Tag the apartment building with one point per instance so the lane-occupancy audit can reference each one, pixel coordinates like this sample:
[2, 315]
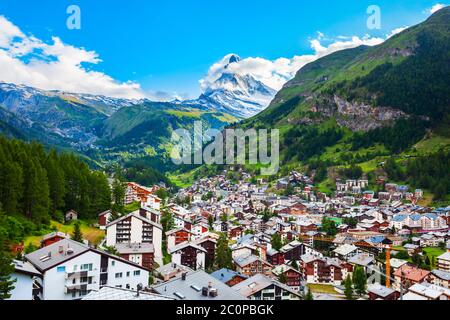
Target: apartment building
[71, 270]
[136, 227]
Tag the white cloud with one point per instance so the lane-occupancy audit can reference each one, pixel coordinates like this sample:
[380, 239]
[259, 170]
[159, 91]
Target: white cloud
[27, 60]
[275, 73]
[436, 8]
[396, 31]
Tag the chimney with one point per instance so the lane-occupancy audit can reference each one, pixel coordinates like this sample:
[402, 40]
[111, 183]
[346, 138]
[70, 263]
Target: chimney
[61, 249]
[183, 276]
[213, 293]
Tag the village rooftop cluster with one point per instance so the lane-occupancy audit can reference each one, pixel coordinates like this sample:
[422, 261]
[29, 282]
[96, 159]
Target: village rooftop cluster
[231, 239]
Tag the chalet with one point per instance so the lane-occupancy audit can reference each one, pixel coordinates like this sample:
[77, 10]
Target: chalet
[139, 253]
[346, 251]
[209, 244]
[189, 255]
[177, 236]
[379, 292]
[52, 238]
[408, 275]
[275, 257]
[443, 262]
[318, 270]
[137, 193]
[71, 215]
[243, 250]
[229, 277]
[427, 291]
[152, 201]
[440, 278]
[293, 277]
[236, 232]
[293, 251]
[261, 287]
[364, 260]
[103, 219]
[298, 209]
[252, 265]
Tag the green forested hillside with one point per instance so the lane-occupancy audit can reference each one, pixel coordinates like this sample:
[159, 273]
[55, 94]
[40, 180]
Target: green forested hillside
[40, 185]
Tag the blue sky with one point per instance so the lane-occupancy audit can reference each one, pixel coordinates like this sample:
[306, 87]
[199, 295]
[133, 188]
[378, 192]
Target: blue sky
[170, 45]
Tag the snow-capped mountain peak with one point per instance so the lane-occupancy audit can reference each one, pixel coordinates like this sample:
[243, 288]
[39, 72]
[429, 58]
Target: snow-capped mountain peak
[241, 95]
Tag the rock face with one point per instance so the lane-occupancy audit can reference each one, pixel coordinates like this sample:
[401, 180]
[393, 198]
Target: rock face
[358, 116]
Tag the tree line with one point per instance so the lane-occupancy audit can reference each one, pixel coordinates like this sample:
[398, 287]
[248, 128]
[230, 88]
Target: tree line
[40, 185]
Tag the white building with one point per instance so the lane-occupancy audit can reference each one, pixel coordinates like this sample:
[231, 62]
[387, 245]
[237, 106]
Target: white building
[71, 270]
[23, 275]
[136, 228]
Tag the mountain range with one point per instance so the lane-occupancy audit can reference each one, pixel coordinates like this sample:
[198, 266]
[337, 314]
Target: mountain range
[355, 106]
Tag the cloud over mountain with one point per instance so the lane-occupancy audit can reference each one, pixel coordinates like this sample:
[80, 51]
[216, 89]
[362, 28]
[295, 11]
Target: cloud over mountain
[275, 73]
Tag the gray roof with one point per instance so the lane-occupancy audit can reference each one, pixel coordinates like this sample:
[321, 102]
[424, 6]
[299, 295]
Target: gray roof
[117, 294]
[191, 288]
[380, 290]
[55, 234]
[185, 245]
[49, 257]
[444, 275]
[137, 216]
[135, 248]
[257, 283]
[445, 256]
[361, 259]
[25, 267]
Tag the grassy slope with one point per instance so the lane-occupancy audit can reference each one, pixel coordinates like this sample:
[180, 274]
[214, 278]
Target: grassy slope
[93, 235]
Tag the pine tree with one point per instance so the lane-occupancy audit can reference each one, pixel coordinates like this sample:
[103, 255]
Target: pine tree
[282, 278]
[77, 234]
[360, 280]
[223, 256]
[55, 176]
[277, 244]
[348, 288]
[309, 295]
[118, 196]
[6, 267]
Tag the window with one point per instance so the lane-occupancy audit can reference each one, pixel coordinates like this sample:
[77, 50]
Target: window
[119, 275]
[87, 267]
[61, 269]
[128, 273]
[113, 263]
[137, 273]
